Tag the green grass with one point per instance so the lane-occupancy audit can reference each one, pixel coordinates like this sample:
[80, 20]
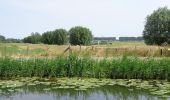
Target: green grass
[73, 66]
[14, 49]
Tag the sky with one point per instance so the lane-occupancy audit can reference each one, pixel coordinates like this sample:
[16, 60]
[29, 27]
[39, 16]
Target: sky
[105, 18]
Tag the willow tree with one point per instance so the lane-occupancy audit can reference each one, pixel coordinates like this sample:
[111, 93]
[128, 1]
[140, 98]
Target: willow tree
[157, 27]
[80, 36]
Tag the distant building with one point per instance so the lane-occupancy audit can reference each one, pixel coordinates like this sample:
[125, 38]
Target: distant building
[130, 38]
[109, 40]
[103, 40]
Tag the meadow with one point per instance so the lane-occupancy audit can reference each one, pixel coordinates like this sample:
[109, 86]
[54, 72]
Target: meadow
[21, 50]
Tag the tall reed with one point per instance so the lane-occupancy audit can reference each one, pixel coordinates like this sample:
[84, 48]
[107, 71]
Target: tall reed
[74, 66]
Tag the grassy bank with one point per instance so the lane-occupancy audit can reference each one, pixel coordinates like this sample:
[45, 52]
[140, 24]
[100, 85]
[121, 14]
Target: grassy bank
[73, 66]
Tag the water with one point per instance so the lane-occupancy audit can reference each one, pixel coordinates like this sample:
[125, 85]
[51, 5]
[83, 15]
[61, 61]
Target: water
[100, 93]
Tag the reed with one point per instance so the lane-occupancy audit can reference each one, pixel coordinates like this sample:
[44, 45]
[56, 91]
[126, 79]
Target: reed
[74, 66]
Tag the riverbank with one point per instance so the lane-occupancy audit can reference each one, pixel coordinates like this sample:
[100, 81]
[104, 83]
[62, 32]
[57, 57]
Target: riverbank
[74, 66]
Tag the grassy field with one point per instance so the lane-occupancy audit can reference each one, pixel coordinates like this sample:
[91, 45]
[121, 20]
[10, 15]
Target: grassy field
[21, 50]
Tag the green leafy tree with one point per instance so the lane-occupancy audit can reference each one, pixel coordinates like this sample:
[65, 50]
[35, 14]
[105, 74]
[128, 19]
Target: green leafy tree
[60, 36]
[2, 38]
[80, 36]
[47, 37]
[27, 39]
[35, 38]
[157, 27]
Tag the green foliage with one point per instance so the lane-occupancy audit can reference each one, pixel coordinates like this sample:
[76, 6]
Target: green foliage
[47, 37]
[35, 38]
[157, 27]
[60, 36]
[2, 38]
[74, 66]
[80, 36]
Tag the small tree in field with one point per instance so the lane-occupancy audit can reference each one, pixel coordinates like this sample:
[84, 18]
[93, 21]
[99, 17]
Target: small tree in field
[60, 36]
[80, 36]
[157, 27]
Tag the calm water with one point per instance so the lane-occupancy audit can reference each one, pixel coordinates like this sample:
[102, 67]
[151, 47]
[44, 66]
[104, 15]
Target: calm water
[101, 93]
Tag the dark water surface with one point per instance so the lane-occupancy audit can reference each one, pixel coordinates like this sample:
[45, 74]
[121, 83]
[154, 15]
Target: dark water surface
[100, 93]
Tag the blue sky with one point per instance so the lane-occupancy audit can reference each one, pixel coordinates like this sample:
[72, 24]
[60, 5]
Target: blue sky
[18, 18]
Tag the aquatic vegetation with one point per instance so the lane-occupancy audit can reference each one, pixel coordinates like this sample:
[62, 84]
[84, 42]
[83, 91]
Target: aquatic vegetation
[83, 73]
[154, 87]
[74, 66]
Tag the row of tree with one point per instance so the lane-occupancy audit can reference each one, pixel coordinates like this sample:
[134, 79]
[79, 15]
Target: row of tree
[76, 36]
[156, 32]
[9, 40]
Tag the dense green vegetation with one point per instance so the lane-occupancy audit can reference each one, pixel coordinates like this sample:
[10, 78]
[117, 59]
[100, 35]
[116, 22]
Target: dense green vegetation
[80, 36]
[157, 28]
[77, 36]
[2, 38]
[59, 36]
[35, 38]
[74, 66]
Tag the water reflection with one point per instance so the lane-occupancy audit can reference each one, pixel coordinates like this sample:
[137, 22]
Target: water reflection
[101, 93]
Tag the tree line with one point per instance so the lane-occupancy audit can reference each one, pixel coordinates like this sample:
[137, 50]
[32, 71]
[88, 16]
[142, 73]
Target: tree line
[75, 36]
[9, 40]
[156, 32]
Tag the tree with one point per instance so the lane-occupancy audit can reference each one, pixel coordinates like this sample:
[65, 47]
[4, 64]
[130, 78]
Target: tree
[157, 27]
[80, 36]
[2, 38]
[60, 36]
[47, 37]
[27, 39]
[35, 38]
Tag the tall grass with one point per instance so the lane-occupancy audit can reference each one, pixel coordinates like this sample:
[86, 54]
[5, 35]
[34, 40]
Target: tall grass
[74, 66]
